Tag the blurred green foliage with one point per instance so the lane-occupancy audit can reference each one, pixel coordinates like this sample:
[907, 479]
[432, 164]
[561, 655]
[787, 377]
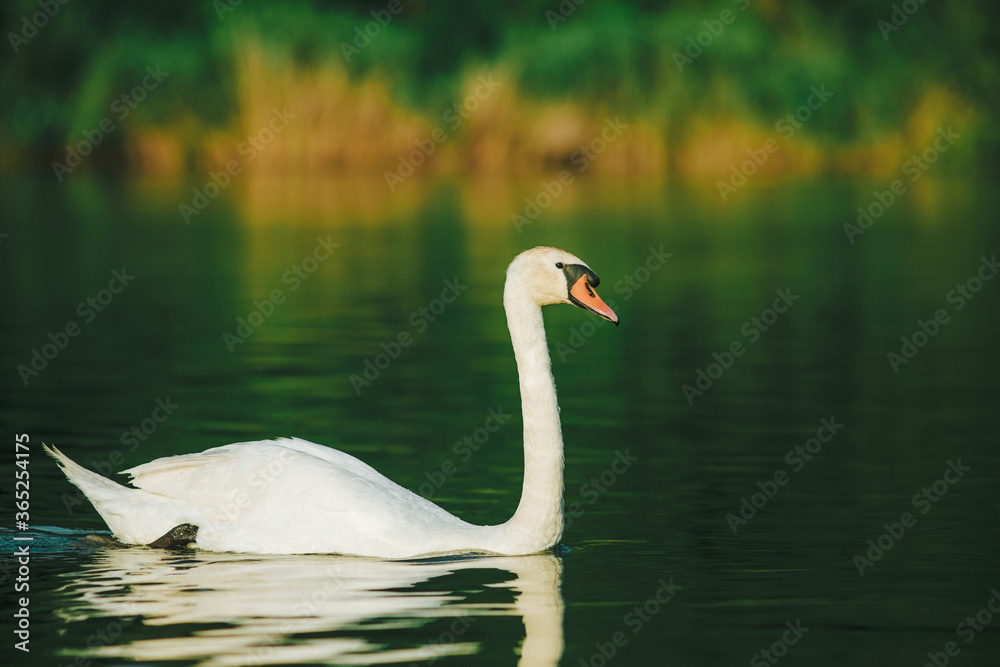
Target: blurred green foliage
[618, 56]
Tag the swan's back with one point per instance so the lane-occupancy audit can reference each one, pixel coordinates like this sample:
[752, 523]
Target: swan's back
[272, 496]
[259, 461]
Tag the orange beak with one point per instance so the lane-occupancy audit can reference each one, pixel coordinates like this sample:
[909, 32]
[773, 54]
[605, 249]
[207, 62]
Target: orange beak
[584, 295]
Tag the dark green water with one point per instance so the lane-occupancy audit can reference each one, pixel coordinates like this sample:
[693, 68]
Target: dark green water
[663, 525]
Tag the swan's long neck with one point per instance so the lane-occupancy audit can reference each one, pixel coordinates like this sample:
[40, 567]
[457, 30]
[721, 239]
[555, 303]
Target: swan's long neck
[538, 521]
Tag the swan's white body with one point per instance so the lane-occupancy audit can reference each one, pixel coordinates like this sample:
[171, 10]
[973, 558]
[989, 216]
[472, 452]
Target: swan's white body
[293, 496]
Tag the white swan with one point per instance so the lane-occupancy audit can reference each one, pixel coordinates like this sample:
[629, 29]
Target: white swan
[291, 496]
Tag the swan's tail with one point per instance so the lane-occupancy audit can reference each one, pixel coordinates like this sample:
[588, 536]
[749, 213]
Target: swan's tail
[94, 486]
[133, 515]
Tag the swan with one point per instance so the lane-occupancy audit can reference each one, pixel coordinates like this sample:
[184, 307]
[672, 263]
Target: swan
[290, 496]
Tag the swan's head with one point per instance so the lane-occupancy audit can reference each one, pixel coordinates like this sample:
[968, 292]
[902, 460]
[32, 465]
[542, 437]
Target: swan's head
[550, 276]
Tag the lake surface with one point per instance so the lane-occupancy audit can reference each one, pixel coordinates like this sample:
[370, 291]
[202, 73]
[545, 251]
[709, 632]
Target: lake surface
[758, 467]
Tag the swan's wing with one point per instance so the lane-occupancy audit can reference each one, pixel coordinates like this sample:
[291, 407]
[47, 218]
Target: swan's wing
[266, 458]
[338, 458]
[289, 496]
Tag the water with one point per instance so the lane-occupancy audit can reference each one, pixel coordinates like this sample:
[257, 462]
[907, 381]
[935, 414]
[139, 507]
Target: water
[656, 475]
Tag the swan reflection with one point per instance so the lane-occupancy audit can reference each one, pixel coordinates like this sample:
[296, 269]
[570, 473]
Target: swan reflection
[305, 609]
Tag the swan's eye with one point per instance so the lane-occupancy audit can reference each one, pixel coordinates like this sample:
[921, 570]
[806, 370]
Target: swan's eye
[560, 265]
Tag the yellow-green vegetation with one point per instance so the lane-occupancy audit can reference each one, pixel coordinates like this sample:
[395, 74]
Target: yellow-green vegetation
[402, 88]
